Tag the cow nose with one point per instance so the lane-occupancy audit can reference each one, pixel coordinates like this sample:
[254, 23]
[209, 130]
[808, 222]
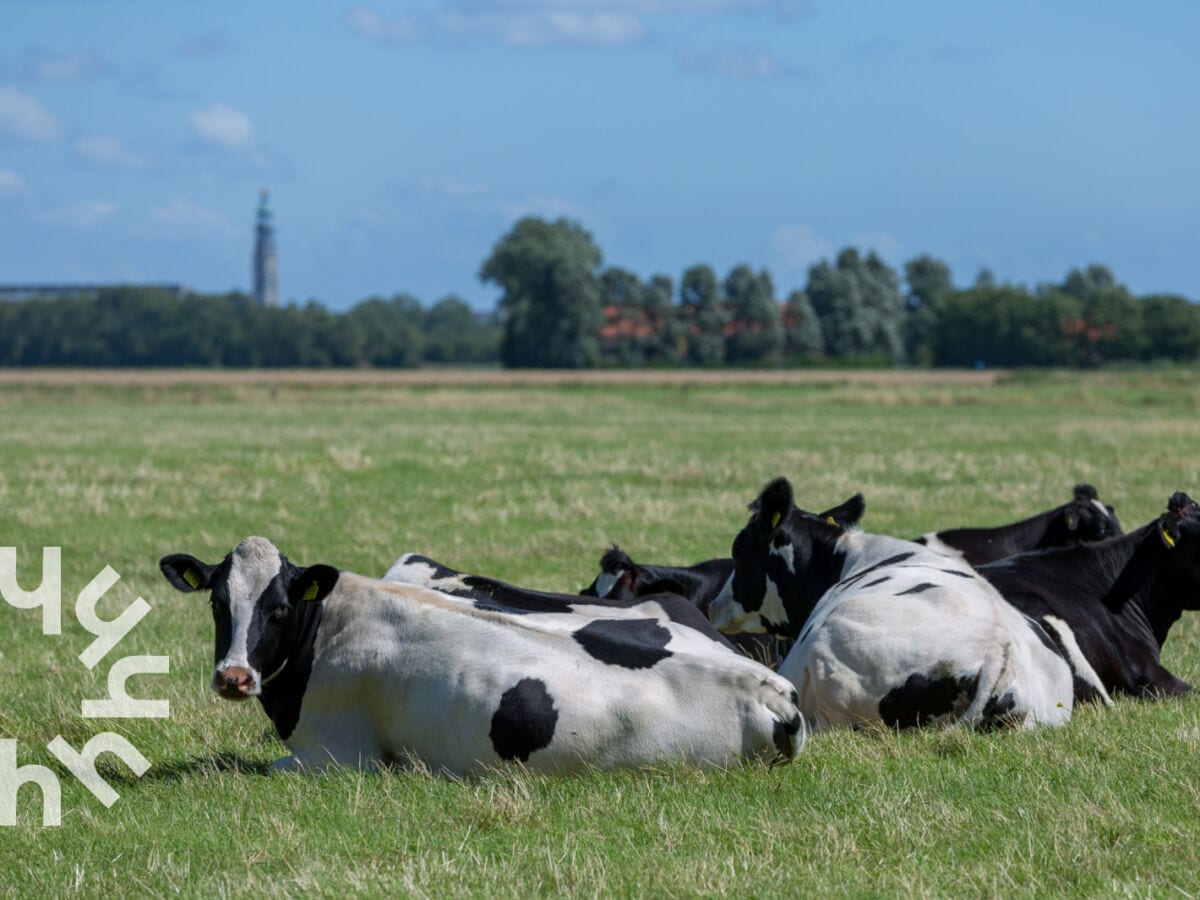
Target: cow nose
[235, 681]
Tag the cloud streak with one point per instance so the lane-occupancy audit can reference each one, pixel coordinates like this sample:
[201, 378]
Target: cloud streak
[21, 116]
[223, 126]
[744, 63]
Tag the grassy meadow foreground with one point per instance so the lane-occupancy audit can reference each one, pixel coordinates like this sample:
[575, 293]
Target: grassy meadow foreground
[530, 482]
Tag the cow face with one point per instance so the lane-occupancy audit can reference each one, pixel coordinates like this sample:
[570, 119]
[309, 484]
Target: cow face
[255, 593]
[784, 559]
[1086, 518]
[1179, 530]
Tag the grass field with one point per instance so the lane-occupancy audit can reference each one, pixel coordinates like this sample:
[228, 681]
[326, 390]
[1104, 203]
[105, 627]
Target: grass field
[529, 482]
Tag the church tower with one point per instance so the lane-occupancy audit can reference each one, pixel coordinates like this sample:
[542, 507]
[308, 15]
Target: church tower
[266, 275]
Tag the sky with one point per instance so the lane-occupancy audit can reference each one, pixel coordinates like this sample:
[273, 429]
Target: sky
[401, 140]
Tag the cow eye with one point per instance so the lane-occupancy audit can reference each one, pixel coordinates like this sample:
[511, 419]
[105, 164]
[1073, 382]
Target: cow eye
[278, 614]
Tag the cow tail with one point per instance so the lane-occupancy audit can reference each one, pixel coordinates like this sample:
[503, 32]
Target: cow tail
[994, 682]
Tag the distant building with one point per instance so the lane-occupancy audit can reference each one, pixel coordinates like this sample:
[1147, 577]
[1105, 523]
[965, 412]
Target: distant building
[62, 291]
[266, 266]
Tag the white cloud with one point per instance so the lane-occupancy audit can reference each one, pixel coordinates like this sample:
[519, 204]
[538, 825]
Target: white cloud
[12, 185]
[534, 25]
[747, 63]
[22, 116]
[108, 151]
[82, 215]
[799, 247]
[184, 215]
[223, 125]
[456, 187]
[372, 25]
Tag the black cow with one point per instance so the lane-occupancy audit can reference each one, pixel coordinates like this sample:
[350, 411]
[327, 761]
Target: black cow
[1085, 518]
[621, 578]
[1119, 598]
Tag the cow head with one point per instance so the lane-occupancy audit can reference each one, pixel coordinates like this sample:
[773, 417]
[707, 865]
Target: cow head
[784, 560]
[1179, 530]
[256, 595]
[1085, 518]
[618, 576]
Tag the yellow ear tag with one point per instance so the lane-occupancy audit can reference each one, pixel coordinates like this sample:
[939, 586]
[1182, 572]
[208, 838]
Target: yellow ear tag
[1167, 539]
[831, 520]
[313, 590]
[775, 520]
[190, 576]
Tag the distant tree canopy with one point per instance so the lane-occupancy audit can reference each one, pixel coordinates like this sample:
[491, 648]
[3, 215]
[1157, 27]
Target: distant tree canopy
[559, 308]
[551, 300]
[146, 327]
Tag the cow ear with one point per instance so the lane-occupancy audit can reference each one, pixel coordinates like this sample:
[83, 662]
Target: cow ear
[313, 584]
[1072, 520]
[186, 572]
[846, 514]
[775, 502]
[1168, 531]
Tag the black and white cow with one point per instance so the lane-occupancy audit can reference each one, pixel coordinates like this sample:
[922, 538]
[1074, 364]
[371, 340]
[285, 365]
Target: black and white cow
[1085, 518]
[412, 568]
[621, 578]
[1115, 600]
[887, 630]
[359, 671]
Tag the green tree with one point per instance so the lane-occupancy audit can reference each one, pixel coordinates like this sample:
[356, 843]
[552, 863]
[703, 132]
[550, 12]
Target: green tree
[667, 342]
[626, 327]
[928, 281]
[550, 301]
[455, 334]
[704, 316]
[803, 340]
[757, 332]
[388, 332]
[859, 305]
[1171, 326]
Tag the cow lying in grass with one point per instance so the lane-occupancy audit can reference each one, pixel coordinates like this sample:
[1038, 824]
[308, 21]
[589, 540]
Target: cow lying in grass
[1084, 519]
[357, 671]
[1114, 601]
[621, 578]
[887, 630]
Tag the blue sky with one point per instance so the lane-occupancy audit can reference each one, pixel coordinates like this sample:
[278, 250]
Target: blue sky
[401, 140]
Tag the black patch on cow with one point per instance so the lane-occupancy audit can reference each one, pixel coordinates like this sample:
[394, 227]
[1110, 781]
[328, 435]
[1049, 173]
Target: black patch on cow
[283, 696]
[997, 712]
[1054, 643]
[958, 573]
[918, 589]
[524, 721]
[784, 733]
[890, 561]
[877, 581]
[629, 643]
[922, 699]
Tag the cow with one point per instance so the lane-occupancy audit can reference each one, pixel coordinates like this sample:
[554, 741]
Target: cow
[1085, 518]
[1113, 602]
[362, 672]
[887, 630]
[621, 578]
[412, 568]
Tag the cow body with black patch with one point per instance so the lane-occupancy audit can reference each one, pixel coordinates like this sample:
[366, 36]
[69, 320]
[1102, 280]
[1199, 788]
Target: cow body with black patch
[1116, 600]
[1082, 520]
[887, 630]
[377, 672]
[489, 593]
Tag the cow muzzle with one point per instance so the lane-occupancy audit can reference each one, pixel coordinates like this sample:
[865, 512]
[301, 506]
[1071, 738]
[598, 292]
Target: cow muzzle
[235, 682]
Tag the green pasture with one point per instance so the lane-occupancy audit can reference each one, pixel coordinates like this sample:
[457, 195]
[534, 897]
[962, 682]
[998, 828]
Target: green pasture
[530, 484]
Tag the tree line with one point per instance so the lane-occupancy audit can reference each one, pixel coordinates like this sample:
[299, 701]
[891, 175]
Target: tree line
[561, 307]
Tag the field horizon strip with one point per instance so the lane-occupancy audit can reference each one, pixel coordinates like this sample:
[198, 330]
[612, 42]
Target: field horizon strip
[530, 482]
